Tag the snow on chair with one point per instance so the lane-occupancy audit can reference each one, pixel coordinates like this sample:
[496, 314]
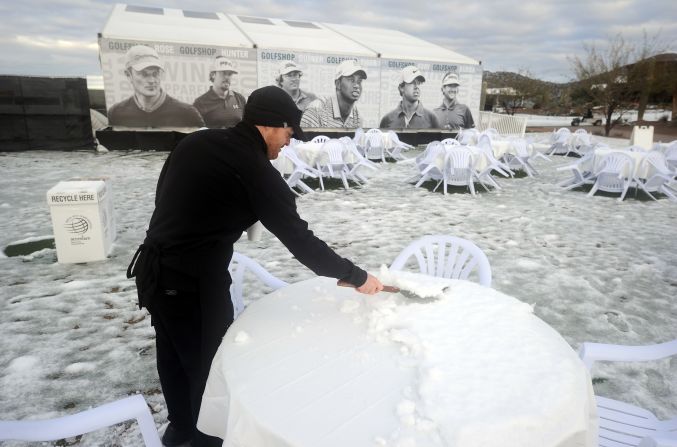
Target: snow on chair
[614, 175]
[113, 413]
[239, 265]
[622, 424]
[446, 257]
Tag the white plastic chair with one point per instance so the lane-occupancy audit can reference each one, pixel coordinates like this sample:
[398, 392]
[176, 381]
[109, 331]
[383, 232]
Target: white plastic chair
[581, 170]
[320, 139]
[132, 407]
[359, 159]
[459, 168]
[239, 265]
[374, 149]
[519, 160]
[622, 424]
[332, 164]
[429, 166]
[492, 165]
[398, 146]
[661, 178]
[560, 142]
[446, 257]
[468, 137]
[301, 170]
[610, 175]
[671, 155]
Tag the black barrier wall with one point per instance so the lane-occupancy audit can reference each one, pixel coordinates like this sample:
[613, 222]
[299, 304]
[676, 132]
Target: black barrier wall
[44, 113]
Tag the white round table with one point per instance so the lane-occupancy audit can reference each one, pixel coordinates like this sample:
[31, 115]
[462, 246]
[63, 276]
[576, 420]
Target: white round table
[313, 364]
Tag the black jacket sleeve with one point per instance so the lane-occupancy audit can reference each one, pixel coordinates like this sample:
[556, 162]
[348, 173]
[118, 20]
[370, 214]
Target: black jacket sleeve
[275, 205]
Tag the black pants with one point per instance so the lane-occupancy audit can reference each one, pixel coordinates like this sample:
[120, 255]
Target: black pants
[190, 316]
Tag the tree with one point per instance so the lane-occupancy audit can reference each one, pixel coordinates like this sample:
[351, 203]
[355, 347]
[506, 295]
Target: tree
[615, 77]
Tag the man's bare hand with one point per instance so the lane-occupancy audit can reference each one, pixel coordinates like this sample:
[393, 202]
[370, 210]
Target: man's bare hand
[371, 286]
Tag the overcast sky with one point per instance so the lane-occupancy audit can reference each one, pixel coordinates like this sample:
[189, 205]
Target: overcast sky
[59, 37]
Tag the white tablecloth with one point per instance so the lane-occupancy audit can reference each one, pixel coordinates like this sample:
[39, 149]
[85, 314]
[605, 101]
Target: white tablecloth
[642, 170]
[316, 365]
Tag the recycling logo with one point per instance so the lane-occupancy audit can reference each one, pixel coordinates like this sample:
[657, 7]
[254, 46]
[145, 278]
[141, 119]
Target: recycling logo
[77, 225]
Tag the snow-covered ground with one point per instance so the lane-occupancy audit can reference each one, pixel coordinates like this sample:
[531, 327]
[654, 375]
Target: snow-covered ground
[73, 337]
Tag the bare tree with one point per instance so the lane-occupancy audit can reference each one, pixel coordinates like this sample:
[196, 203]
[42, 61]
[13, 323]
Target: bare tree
[615, 76]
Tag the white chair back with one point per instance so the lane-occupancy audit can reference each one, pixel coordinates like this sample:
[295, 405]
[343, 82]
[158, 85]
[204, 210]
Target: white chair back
[447, 257]
[320, 139]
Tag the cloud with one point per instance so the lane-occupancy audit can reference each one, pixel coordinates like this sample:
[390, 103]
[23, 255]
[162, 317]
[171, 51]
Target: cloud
[504, 34]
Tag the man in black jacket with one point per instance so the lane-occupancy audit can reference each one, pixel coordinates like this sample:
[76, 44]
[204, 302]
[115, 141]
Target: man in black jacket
[215, 184]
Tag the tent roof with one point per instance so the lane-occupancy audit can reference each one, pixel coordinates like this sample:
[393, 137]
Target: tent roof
[393, 44]
[214, 28]
[173, 25]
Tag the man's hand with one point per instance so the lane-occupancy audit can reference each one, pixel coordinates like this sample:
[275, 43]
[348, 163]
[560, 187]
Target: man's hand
[371, 286]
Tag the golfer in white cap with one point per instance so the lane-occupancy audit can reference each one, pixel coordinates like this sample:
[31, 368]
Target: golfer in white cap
[410, 113]
[451, 114]
[339, 110]
[150, 105]
[289, 79]
[220, 106]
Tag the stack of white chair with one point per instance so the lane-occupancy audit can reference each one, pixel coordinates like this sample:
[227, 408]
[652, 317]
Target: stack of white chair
[459, 168]
[611, 176]
[113, 413]
[622, 424]
[560, 142]
[446, 257]
[239, 265]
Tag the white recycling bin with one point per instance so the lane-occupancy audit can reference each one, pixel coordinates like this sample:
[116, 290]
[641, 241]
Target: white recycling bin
[82, 220]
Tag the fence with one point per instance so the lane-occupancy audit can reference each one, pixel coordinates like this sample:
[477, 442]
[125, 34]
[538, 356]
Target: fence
[505, 124]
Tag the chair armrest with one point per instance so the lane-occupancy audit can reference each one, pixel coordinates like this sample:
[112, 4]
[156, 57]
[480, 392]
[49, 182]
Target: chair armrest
[592, 352]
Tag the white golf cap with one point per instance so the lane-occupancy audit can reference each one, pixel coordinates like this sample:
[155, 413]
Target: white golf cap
[221, 63]
[450, 79]
[139, 57]
[287, 67]
[348, 68]
[410, 73]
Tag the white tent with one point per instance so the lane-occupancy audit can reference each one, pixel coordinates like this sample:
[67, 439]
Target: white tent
[188, 41]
